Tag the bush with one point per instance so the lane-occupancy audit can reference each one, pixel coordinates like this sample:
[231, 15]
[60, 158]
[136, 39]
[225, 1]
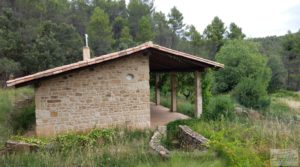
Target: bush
[252, 93]
[220, 107]
[22, 119]
[241, 59]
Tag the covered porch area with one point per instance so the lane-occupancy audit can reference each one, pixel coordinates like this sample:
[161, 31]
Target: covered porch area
[170, 62]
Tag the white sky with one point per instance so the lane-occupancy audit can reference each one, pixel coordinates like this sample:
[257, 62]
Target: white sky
[258, 18]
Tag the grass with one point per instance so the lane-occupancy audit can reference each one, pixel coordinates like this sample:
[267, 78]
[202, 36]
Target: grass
[244, 142]
[12, 119]
[111, 147]
[239, 142]
[247, 141]
[285, 105]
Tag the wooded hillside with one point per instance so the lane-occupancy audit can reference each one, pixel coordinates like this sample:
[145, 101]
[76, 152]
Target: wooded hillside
[39, 34]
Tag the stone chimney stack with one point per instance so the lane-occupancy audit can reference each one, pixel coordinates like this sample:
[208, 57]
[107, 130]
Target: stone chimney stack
[86, 49]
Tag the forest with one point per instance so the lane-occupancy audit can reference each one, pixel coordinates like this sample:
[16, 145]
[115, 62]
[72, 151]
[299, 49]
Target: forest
[40, 34]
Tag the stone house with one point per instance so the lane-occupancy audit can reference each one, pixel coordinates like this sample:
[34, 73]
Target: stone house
[108, 90]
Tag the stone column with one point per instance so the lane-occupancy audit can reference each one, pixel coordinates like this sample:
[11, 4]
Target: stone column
[173, 92]
[198, 95]
[157, 93]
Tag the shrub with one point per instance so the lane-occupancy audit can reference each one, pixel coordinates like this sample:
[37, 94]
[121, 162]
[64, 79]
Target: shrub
[22, 119]
[220, 107]
[206, 88]
[241, 59]
[252, 93]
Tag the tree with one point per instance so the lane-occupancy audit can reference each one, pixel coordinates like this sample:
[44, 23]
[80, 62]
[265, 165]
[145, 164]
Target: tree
[235, 32]
[214, 33]
[7, 67]
[195, 40]
[79, 15]
[162, 31]
[125, 41]
[55, 45]
[11, 43]
[118, 24]
[136, 10]
[242, 59]
[279, 73]
[176, 25]
[176, 21]
[145, 32]
[112, 8]
[100, 33]
[291, 46]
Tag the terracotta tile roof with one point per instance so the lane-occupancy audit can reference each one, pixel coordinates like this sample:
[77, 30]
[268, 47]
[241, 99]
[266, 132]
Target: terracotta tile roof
[107, 57]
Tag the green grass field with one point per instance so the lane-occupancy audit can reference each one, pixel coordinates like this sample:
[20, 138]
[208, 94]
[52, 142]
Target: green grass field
[243, 141]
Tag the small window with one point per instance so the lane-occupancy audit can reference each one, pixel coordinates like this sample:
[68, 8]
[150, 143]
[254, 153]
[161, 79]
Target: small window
[129, 77]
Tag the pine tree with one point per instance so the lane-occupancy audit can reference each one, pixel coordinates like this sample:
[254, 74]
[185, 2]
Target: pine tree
[100, 32]
[176, 24]
[214, 33]
[125, 41]
[145, 32]
[235, 32]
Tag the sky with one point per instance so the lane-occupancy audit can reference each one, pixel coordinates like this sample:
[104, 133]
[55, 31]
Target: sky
[257, 18]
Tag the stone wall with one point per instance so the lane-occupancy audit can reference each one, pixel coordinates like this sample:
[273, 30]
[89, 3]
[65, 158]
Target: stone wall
[114, 93]
[190, 139]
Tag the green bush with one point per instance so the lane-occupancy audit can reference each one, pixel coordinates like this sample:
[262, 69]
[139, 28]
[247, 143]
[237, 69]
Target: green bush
[206, 86]
[252, 93]
[241, 59]
[219, 107]
[22, 119]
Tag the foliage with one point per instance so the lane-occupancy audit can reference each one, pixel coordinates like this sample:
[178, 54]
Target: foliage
[235, 32]
[125, 41]
[291, 47]
[219, 107]
[136, 10]
[162, 32]
[12, 119]
[206, 85]
[100, 32]
[145, 32]
[279, 74]
[214, 33]
[176, 25]
[242, 59]
[251, 93]
[22, 119]
[7, 67]
[243, 141]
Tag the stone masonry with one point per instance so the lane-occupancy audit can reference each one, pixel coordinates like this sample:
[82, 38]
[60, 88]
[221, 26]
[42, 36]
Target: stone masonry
[114, 93]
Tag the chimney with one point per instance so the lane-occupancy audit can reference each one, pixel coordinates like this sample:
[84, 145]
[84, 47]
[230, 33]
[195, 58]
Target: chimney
[86, 50]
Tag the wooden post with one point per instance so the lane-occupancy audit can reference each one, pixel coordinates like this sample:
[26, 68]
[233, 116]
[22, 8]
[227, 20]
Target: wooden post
[157, 93]
[198, 94]
[173, 92]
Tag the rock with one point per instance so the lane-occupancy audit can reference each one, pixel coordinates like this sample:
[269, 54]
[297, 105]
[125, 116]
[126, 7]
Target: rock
[155, 143]
[191, 140]
[14, 146]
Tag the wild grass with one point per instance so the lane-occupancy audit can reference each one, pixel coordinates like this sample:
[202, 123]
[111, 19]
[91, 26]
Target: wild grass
[11, 118]
[243, 141]
[108, 147]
